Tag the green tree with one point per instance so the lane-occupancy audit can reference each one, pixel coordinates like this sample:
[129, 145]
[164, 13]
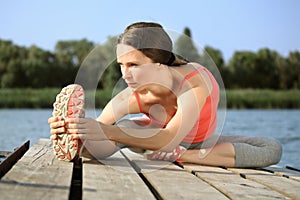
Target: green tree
[283, 77]
[266, 69]
[35, 67]
[112, 73]
[8, 52]
[72, 52]
[217, 56]
[185, 47]
[11, 68]
[242, 66]
[213, 60]
[12, 77]
[293, 62]
[69, 55]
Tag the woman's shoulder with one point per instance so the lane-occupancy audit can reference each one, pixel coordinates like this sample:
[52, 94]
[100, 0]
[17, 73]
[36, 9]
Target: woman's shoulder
[188, 68]
[192, 77]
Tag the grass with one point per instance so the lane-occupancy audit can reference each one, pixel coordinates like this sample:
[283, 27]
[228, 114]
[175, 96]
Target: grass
[27, 98]
[236, 99]
[266, 99]
[44, 98]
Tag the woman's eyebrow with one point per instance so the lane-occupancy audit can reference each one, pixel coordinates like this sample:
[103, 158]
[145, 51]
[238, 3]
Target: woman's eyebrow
[128, 63]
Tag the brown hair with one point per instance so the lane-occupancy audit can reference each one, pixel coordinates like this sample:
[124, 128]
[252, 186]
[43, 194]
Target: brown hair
[153, 41]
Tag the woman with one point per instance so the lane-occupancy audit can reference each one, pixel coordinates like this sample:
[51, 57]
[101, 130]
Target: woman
[179, 100]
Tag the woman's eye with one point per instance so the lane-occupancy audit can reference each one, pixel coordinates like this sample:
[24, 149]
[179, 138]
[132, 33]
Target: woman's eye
[128, 65]
[133, 65]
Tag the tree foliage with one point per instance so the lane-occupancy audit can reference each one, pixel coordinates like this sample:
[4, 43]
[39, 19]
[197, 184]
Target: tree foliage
[33, 67]
[185, 48]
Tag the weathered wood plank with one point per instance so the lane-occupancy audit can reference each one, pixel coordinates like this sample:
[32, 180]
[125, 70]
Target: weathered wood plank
[231, 184]
[173, 182]
[283, 185]
[38, 175]
[292, 168]
[285, 172]
[3, 155]
[112, 178]
[12, 158]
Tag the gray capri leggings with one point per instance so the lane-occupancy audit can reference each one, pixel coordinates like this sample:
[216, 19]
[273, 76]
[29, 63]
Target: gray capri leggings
[250, 152]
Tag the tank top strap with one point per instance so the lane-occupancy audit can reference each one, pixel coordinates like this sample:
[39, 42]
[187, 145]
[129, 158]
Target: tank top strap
[138, 101]
[188, 76]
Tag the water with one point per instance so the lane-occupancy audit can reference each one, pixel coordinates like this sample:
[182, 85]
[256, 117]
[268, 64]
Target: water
[19, 125]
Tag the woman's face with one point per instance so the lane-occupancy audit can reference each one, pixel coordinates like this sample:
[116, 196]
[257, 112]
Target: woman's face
[138, 70]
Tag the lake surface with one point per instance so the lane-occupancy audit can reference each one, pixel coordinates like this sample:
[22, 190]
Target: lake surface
[19, 125]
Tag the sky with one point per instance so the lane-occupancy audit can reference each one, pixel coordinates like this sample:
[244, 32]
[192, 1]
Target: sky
[227, 25]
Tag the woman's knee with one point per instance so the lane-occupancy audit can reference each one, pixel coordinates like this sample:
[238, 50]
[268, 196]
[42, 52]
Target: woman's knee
[258, 152]
[276, 149]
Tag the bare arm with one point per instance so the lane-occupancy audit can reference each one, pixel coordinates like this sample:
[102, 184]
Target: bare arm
[166, 139]
[122, 104]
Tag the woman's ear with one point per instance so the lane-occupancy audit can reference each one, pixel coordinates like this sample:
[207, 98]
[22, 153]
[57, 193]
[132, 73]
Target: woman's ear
[160, 66]
[157, 66]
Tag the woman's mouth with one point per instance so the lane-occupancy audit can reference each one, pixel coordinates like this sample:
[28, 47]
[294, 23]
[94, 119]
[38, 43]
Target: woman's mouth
[131, 84]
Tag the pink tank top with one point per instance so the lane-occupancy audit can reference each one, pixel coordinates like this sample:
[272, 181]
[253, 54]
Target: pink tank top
[207, 121]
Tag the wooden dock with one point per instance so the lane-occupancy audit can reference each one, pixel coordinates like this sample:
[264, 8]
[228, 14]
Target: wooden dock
[125, 175]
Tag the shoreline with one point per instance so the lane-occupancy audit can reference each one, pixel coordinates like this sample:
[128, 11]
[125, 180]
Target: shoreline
[236, 98]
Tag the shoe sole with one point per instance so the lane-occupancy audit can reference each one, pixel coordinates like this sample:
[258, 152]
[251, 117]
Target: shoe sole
[69, 104]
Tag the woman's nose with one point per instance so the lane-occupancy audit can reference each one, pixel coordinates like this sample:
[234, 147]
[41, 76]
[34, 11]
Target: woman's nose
[126, 73]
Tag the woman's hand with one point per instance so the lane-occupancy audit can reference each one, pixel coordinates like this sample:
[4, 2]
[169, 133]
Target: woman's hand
[85, 128]
[57, 126]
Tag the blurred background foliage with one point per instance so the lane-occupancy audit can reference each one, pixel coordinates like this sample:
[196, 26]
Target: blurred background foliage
[33, 67]
[24, 70]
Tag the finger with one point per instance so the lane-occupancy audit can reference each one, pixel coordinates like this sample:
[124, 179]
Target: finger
[76, 120]
[76, 131]
[57, 124]
[58, 130]
[54, 119]
[72, 131]
[74, 126]
[53, 137]
[82, 137]
[78, 136]
[89, 137]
